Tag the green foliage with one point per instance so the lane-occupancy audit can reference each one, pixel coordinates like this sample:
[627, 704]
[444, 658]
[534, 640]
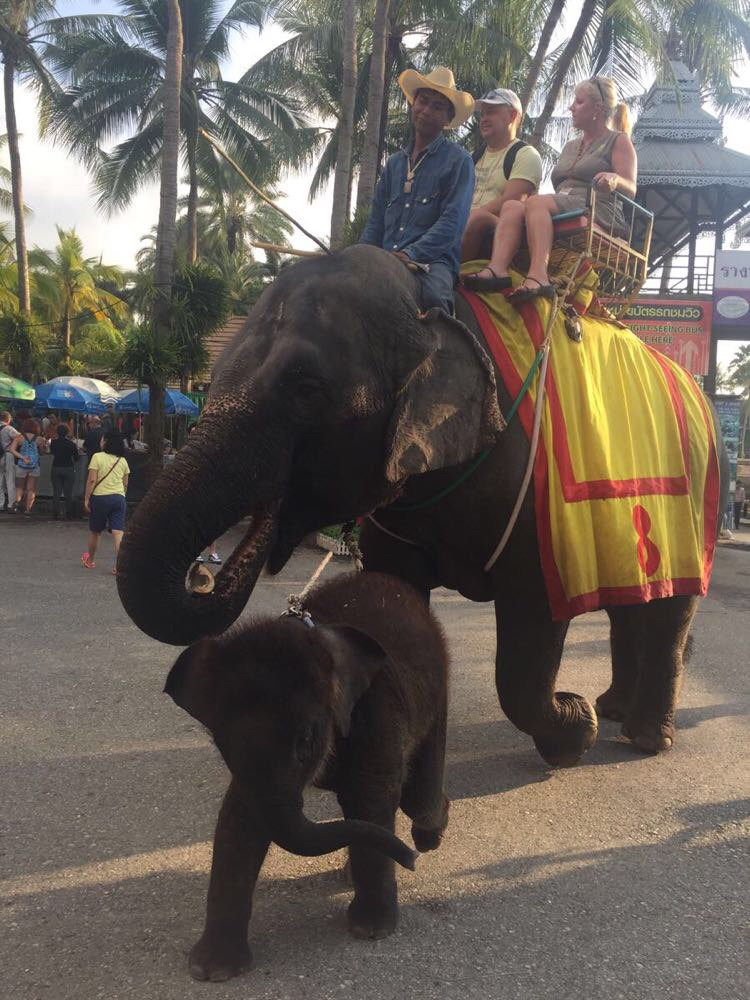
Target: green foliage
[199, 305]
[115, 68]
[72, 292]
[148, 357]
[22, 347]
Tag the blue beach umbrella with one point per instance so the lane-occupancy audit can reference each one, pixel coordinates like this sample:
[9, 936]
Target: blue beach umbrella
[175, 403]
[56, 396]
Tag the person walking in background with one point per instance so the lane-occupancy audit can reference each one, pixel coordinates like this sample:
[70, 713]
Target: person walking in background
[106, 486]
[92, 439]
[25, 449]
[739, 502]
[8, 434]
[64, 458]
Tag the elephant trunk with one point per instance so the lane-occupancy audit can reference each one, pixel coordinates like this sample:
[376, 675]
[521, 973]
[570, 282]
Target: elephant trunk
[209, 487]
[294, 832]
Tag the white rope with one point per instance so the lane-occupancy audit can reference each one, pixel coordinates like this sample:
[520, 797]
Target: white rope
[534, 444]
[295, 600]
[529, 465]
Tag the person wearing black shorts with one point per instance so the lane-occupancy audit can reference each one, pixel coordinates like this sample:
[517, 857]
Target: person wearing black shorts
[106, 486]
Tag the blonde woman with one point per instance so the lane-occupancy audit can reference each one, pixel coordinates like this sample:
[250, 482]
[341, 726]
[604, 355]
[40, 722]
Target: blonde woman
[602, 157]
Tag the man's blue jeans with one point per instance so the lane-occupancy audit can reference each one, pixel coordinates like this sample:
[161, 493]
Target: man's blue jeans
[436, 288]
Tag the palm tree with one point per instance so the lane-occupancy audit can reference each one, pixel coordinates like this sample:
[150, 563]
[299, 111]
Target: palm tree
[739, 378]
[6, 187]
[71, 292]
[165, 233]
[19, 20]
[375, 95]
[117, 66]
[342, 178]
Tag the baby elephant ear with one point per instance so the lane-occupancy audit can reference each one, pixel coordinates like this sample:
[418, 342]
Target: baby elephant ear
[357, 658]
[192, 682]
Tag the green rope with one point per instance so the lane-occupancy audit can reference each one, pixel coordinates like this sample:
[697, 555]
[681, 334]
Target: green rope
[480, 458]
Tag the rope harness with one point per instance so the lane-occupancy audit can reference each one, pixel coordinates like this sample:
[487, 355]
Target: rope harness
[295, 602]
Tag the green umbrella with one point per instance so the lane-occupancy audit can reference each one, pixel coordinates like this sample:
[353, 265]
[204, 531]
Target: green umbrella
[14, 388]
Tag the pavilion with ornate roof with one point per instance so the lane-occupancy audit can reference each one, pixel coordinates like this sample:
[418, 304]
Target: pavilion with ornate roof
[692, 183]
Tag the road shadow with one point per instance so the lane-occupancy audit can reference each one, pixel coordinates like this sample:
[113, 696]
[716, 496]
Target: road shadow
[643, 920]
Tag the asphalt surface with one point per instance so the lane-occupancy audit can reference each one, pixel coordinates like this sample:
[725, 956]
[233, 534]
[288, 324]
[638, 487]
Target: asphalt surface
[625, 878]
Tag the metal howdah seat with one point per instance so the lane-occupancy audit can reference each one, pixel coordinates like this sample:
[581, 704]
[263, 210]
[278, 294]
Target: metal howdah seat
[617, 252]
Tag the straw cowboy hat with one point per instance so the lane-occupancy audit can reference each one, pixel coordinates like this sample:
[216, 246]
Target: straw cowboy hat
[441, 80]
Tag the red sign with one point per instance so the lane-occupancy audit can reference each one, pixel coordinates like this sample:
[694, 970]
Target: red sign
[679, 328]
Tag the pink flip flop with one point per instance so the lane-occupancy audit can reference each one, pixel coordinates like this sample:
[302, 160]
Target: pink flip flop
[86, 561]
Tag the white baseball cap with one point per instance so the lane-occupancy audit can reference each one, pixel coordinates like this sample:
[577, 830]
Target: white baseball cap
[501, 96]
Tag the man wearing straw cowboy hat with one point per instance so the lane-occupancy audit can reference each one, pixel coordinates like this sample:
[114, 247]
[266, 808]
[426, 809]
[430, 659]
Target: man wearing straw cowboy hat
[422, 200]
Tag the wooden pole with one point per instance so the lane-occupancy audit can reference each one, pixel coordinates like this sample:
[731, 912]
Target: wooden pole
[264, 197]
[280, 248]
[713, 350]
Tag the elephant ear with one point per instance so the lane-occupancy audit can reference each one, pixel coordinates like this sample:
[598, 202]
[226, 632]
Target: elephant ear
[447, 411]
[356, 659]
[193, 681]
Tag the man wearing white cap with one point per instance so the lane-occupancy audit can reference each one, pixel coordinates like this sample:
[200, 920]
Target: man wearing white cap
[423, 197]
[508, 169]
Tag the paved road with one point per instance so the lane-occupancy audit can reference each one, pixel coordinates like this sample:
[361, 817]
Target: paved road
[623, 878]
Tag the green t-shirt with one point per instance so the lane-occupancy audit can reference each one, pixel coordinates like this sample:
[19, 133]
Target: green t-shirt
[101, 463]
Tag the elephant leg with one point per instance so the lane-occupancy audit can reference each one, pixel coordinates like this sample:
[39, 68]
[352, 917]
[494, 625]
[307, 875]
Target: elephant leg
[664, 631]
[422, 797]
[625, 642]
[563, 725]
[373, 913]
[222, 951]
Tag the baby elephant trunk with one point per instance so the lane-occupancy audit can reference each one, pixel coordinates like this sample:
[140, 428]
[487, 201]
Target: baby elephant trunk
[293, 831]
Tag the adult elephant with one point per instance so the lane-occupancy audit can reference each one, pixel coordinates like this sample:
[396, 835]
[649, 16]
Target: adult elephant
[335, 400]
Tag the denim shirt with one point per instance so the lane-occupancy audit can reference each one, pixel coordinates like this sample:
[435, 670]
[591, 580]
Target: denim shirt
[426, 223]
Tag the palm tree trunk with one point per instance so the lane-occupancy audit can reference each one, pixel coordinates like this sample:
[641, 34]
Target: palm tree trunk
[67, 342]
[745, 425]
[553, 18]
[563, 65]
[166, 233]
[192, 205]
[22, 258]
[339, 212]
[369, 165]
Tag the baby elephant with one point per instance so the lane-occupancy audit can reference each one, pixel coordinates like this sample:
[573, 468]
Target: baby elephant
[355, 704]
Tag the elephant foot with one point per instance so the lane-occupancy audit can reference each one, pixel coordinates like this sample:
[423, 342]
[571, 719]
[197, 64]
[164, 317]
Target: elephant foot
[649, 736]
[612, 705]
[575, 731]
[372, 919]
[429, 838]
[216, 961]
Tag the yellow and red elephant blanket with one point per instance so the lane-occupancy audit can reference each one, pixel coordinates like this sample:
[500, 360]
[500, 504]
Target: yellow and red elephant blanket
[626, 476]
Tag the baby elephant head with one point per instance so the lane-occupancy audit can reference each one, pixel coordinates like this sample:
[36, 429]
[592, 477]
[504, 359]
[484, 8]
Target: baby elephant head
[275, 698]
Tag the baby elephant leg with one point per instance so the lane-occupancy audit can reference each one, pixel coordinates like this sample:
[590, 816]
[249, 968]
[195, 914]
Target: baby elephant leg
[223, 952]
[422, 798]
[373, 913]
